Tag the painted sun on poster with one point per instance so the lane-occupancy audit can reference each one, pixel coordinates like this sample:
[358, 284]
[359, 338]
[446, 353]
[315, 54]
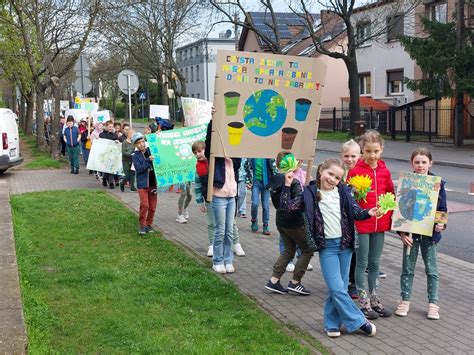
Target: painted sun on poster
[267, 101]
[417, 197]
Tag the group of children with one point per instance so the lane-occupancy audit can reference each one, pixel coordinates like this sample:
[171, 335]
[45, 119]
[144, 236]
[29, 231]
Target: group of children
[321, 217]
[343, 230]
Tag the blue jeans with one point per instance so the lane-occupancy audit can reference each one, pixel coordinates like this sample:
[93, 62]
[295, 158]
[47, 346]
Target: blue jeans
[85, 152]
[242, 200]
[224, 211]
[338, 308]
[260, 192]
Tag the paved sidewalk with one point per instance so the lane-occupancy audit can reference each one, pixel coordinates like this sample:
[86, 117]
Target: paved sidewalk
[442, 154]
[411, 335]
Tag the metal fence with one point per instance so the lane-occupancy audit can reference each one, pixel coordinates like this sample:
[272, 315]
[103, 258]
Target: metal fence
[415, 123]
[423, 124]
[334, 120]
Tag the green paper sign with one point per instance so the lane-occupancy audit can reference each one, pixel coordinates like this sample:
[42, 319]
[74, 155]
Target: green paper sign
[174, 161]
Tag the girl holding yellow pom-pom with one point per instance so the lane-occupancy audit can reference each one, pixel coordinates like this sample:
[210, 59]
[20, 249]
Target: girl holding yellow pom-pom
[370, 179]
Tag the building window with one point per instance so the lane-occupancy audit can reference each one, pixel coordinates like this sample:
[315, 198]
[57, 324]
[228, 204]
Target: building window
[192, 74]
[363, 33]
[439, 12]
[192, 95]
[197, 72]
[197, 51]
[364, 84]
[395, 27]
[186, 74]
[395, 82]
[198, 95]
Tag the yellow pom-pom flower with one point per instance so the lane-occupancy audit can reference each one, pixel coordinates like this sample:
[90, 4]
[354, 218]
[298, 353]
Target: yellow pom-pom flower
[361, 185]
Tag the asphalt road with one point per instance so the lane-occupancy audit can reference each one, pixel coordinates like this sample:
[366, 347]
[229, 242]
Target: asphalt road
[458, 239]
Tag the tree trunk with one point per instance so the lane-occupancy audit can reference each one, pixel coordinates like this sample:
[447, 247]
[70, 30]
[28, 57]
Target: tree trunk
[22, 113]
[30, 107]
[40, 141]
[353, 81]
[54, 136]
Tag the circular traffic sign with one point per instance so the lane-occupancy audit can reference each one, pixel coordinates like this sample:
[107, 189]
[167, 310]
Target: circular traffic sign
[83, 85]
[124, 81]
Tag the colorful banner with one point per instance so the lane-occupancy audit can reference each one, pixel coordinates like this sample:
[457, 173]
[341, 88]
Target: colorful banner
[162, 111]
[106, 156]
[417, 198]
[174, 161]
[267, 101]
[196, 111]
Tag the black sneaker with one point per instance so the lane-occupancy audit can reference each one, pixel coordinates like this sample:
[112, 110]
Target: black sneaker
[149, 229]
[382, 312]
[369, 329]
[76, 171]
[142, 230]
[369, 314]
[133, 188]
[275, 287]
[298, 288]
[104, 183]
[111, 186]
[122, 187]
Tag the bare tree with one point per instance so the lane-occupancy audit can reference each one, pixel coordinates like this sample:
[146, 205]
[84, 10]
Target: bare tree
[54, 34]
[377, 18]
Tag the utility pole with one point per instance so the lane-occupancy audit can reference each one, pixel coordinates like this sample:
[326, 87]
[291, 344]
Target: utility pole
[236, 29]
[459, 113]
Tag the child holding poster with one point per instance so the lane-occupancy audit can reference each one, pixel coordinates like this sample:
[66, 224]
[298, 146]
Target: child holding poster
[330, 212]
[370, 178]
[421, 161]
[223, 206]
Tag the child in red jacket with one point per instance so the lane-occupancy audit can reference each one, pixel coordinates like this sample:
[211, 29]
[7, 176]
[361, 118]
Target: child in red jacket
[371, 231]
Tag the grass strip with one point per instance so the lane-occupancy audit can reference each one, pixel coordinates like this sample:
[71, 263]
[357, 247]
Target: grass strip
[39, 159]
[90, 284]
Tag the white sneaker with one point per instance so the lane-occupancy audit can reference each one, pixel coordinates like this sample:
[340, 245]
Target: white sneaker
[290, 267]
[181, 219]
[229, 268]
[310, 267]
[186, 213]
[210, 251]
[238, 250]
[220, 269]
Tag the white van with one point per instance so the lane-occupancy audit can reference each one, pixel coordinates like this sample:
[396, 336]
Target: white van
[9, 140]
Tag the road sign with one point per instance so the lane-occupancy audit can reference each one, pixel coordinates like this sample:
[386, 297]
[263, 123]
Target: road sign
[82, 65]
[83, 85]
[142, 96]
[126, 80]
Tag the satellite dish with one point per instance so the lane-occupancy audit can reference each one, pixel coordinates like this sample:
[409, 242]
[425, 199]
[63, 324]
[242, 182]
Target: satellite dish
[228, 33]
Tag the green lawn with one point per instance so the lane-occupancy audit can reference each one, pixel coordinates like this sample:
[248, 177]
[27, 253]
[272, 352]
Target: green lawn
[90, 284]
[39, 159]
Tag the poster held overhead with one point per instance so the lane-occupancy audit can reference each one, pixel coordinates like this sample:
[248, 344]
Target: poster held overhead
[196, 111]
[265, 103]
[162, 111]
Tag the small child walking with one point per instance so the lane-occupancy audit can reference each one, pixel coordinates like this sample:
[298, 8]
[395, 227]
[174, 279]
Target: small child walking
[72, 138]
[371, 231]
[330, 212]
[287, 197]
[422, 161]
[261, 172]
[127, 151]
[146, 183]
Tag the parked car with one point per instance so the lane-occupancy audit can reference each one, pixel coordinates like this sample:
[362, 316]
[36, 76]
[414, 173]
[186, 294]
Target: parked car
[9, 141]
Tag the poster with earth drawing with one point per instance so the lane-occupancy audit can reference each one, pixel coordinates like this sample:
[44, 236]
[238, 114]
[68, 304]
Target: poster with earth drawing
[106, 157]
[417, 199]
[266, 103]
[174, 161]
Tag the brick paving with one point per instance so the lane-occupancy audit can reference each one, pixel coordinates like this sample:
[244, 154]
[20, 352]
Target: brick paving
[414, 334]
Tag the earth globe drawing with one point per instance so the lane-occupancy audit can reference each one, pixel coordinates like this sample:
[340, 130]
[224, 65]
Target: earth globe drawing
[415, 205]
[265, 112]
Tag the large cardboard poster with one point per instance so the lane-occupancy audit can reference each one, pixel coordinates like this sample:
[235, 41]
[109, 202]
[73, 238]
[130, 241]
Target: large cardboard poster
[417, 199]
[106, 156]
[265, 103]
[174, 161]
